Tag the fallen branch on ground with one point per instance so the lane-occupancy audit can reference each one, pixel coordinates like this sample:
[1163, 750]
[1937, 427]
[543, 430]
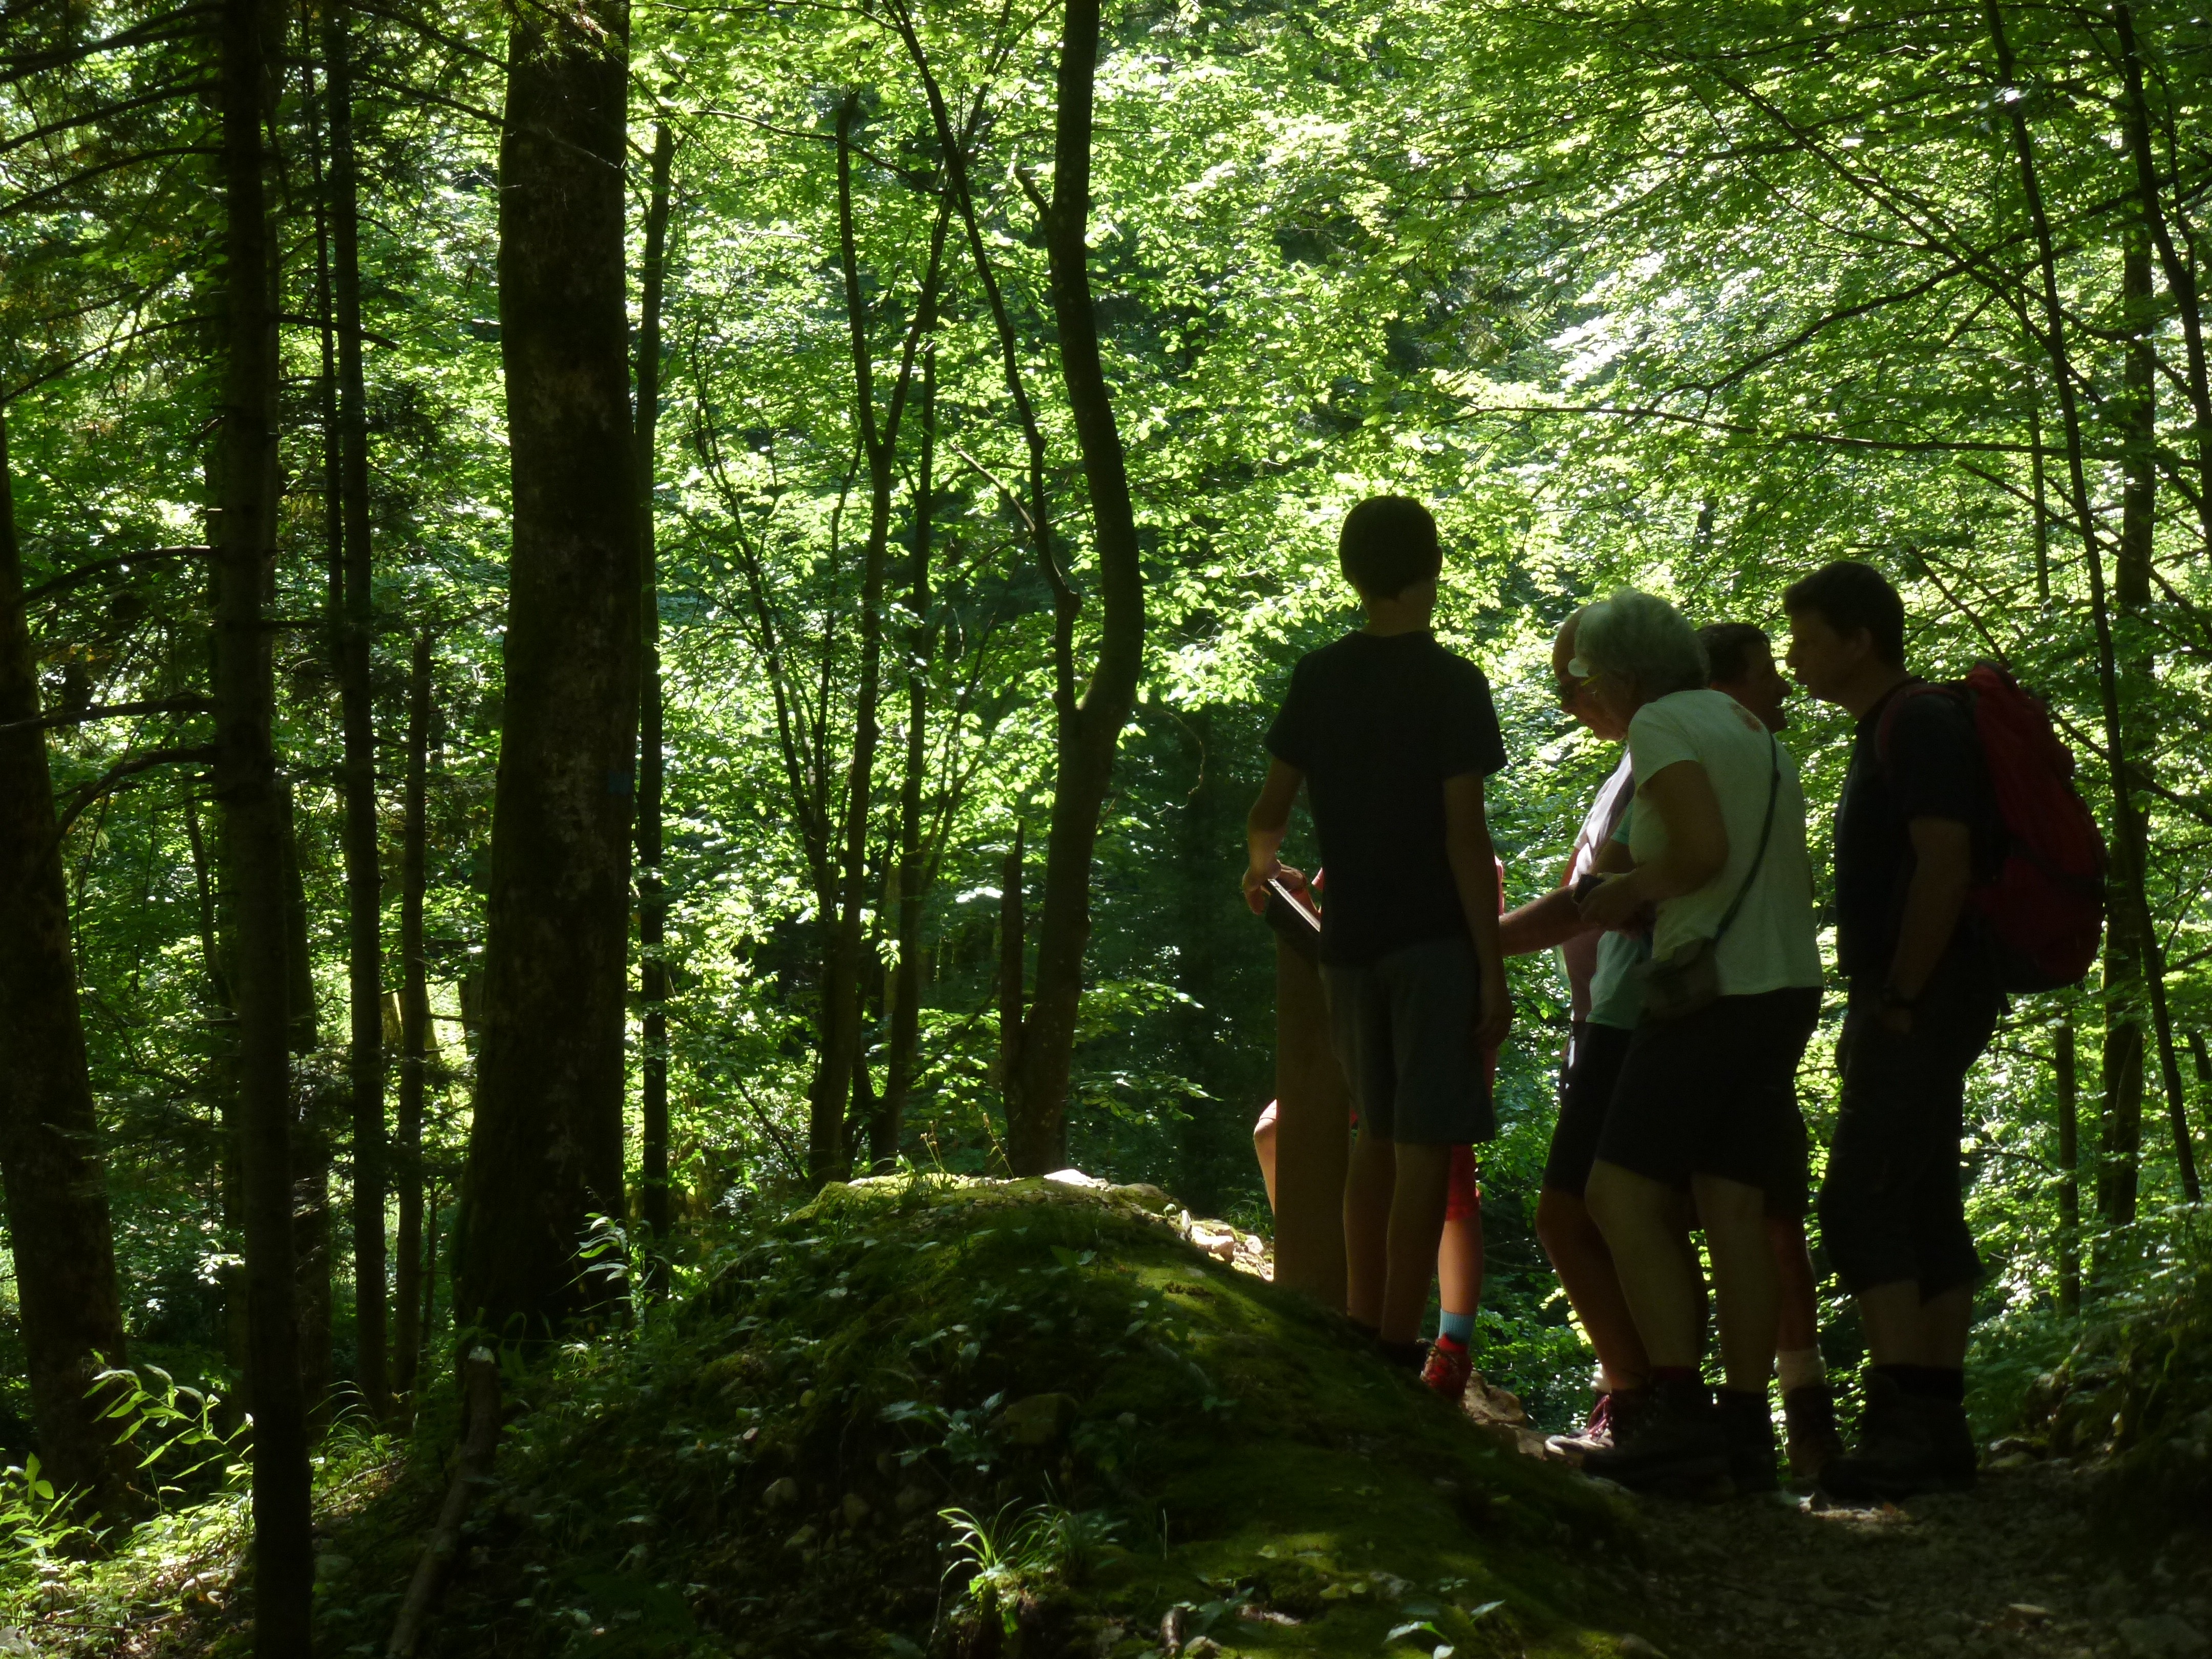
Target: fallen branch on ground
[479, 1441]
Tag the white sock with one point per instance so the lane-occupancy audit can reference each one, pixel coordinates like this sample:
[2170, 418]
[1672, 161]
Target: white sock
[1800, 1368]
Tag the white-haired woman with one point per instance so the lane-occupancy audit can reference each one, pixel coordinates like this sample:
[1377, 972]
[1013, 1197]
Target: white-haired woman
[1707, 1095]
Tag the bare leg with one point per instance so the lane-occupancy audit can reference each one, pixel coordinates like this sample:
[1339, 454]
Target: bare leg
[1263, 1148]
[1637, 1217]
[1797, 1320]
[1945, 1322]
[1416, 1227]
[1586, 1273]
[1734, 1215]
[1459, 1265]
[1892, 1315]
[1367, 1226]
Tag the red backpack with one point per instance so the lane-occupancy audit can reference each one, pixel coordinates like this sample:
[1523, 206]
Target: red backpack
[2042, 900]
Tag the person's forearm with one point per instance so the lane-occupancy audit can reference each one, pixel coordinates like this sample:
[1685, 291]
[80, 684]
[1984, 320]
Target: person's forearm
[1670, 876]
[1541, 923]
[1474, 873]
[1263, 841]
[1934, 900]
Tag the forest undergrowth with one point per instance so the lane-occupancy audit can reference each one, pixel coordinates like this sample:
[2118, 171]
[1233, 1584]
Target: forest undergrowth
[973, 1418]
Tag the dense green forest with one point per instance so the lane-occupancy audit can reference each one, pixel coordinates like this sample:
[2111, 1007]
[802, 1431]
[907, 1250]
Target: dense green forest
[609, 614]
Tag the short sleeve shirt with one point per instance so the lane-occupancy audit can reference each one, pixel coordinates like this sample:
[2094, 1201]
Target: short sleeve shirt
[1616, 995]
[1579, 955]
[1772, 943]
[1377, 723]
[1934, 770]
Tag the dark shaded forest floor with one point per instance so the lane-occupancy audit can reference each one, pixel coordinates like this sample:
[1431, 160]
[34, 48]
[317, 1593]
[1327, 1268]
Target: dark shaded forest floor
[2028, 1563]
[1168, 1455]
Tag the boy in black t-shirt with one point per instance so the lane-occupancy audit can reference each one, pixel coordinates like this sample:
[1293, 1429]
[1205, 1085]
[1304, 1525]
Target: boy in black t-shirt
[1923, 1003]
[1391, 736]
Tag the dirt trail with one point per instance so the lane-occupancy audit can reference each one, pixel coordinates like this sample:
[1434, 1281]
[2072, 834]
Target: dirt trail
[2023, 1566]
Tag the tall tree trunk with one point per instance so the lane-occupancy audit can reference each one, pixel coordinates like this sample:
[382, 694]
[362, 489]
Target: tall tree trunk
[1208, 1144]
[1088, 731]
[546, 1150]
[357, 767]
[2128, 929]
[2064, 1066]
[652, 890]
[2181, 273]
[312, 1140]
[903, 992]
[828, 1158]
[223, 1075]
[2132, 588]
[1014, 939]
[50, 1155]
[252, 844]
[414, 1030]
[2037, 488]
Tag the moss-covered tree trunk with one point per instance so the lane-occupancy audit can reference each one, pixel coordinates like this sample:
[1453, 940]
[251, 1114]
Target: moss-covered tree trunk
[1089, 730]
[252, 845]
[50, 1153]
[546, 1150]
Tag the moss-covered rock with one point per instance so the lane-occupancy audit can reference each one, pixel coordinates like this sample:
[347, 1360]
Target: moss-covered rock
[1013, 1418]
[2136, 1392]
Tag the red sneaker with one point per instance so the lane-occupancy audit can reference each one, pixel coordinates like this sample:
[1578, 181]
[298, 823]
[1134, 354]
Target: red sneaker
[1449, 1368]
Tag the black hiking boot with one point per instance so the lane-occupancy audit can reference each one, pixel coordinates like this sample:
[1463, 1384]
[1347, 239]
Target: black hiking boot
[1747, 1427]
[1808, 1416]
[1899, 1454]
[1673, 1440]
[1951, 1440]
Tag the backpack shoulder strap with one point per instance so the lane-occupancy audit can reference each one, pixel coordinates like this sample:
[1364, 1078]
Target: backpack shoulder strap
[1904, 695]
[1765, 835]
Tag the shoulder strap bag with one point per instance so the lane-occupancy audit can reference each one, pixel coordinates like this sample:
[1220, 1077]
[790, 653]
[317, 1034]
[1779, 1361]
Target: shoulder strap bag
[1690, 978]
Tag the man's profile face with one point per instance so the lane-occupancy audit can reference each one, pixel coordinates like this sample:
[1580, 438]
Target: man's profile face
[1824, 660]
[1762, 690]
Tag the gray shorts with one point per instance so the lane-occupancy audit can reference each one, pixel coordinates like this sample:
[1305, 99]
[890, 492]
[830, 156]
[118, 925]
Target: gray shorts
[1403, 1030]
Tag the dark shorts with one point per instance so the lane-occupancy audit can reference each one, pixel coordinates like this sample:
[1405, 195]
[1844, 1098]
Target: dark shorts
[1789, 1182]
[1595, 1053]
[1714, 1093]
[1403, 1030]
[1894, 1207]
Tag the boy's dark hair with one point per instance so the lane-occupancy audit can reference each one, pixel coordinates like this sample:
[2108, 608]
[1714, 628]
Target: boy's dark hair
[1849, 596]
[1732, 647]
[1387, 544]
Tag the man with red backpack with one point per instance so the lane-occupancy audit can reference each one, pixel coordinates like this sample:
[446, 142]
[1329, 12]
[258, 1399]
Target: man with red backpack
[1924, 998]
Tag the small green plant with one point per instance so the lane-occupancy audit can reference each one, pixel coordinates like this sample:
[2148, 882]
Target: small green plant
[1011, 1554]
[182, 1453]
[37, 1522]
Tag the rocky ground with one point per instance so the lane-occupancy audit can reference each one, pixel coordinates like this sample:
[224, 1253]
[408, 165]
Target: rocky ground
[2027, 1565]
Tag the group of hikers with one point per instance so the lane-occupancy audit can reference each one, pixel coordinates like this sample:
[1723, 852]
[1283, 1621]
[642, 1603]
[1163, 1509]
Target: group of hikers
[1686, 918]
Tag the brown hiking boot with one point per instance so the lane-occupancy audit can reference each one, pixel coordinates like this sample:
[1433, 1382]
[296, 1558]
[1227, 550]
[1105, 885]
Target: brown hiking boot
[1748, 1428]
[1674, 1441]
[1907, 1445]
[1596, 1434]
[1951, 1439]
[1808, 1416]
